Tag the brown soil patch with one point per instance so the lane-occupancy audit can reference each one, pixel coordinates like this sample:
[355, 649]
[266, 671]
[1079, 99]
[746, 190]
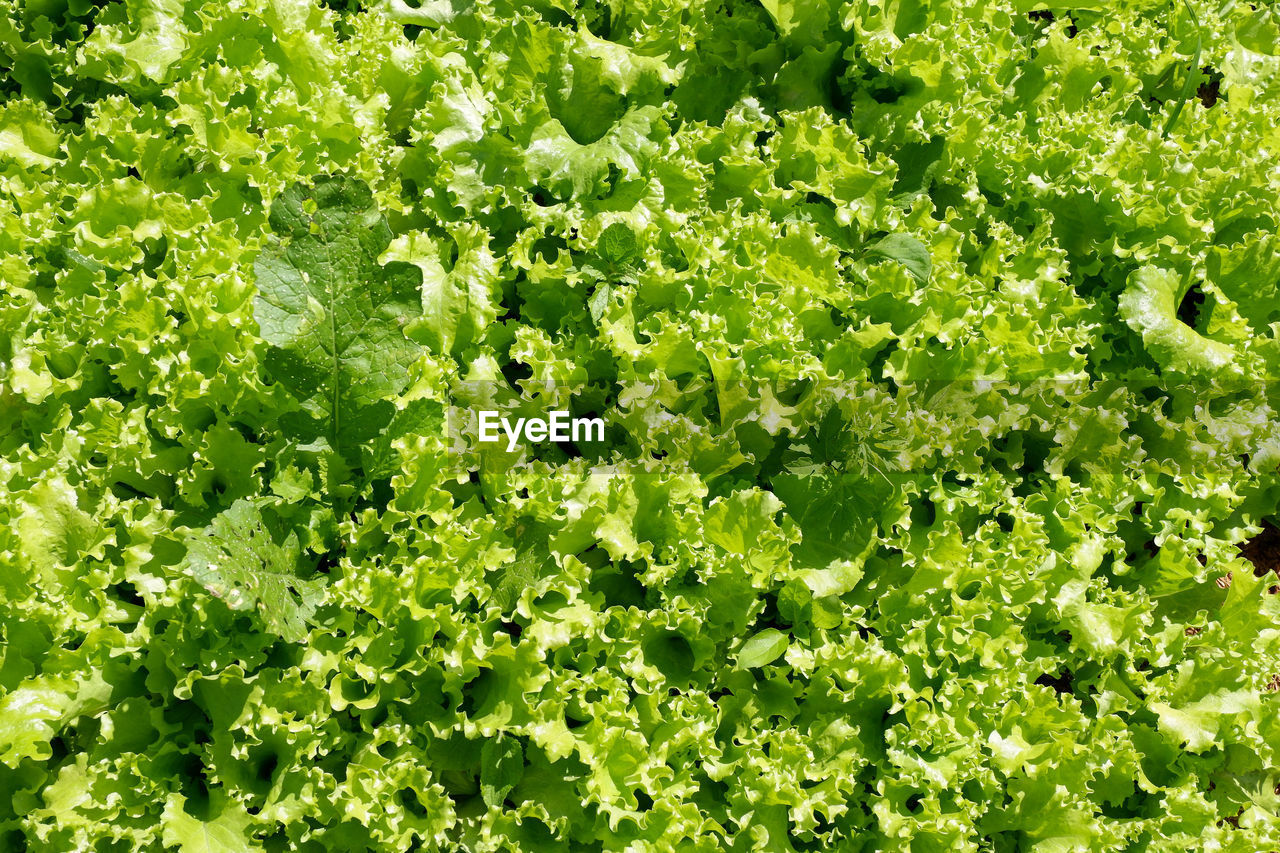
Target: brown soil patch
[1263, 551]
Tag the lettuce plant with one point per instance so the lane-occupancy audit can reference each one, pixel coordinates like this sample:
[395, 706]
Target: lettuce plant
[935, 346]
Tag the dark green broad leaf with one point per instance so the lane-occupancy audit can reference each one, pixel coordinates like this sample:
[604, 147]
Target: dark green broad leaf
[237, 559]
[836, 512]
[333, 315]
[501, 768]
[916, 161]
[906, 250]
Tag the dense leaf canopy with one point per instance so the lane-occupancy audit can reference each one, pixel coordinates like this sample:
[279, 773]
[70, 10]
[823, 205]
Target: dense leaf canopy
[936, 346]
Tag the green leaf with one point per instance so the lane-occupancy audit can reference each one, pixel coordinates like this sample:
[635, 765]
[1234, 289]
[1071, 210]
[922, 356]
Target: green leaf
[762, 648]
[333, 315]
[460, 299]
[947, 576]
[567, 167]
[146, 48]
[1260, 31]
[237, 559]
[599, 301]
[501, 768]
[1189, 80]
[416, 418]
[29, 718]
[1149, 306]
[1196, 725]
[739, 522]
[227, 832]
[28, 135]
[835, 512]
[513, 577]
[906, 250]
[54, 531]
[618, 244]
